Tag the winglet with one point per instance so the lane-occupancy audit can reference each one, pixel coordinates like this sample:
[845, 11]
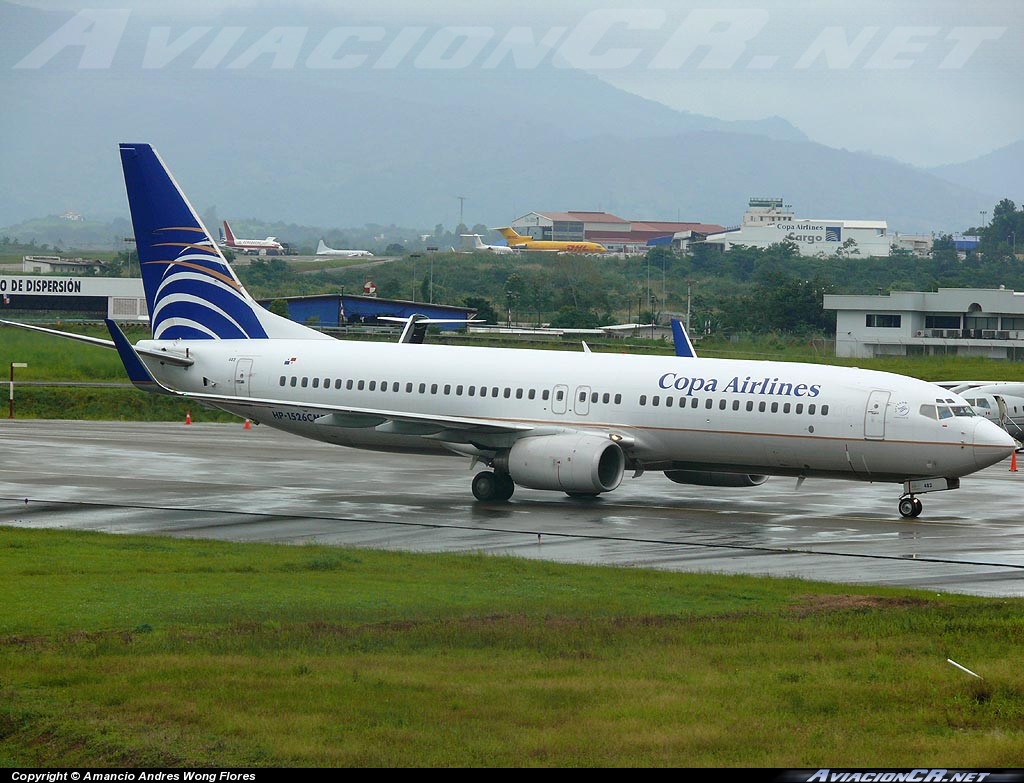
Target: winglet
[138, 373]
[682, 340]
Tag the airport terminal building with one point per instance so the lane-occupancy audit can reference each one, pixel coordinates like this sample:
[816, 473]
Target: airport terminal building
[768, 221]
[986, 322]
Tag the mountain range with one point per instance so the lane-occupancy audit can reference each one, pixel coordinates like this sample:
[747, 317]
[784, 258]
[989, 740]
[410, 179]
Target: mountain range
[418, 148]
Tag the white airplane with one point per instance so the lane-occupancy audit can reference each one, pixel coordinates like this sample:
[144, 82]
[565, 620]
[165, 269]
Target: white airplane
[478, 245]
[323, 250]
[572, 422]
[262, 247]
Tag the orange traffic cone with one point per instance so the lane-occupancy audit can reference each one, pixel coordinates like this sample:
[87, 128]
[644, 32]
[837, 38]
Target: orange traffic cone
[1013, 462]
[188, 417]
[248, 424]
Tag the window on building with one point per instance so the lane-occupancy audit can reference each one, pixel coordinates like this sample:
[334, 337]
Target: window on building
[883, 320]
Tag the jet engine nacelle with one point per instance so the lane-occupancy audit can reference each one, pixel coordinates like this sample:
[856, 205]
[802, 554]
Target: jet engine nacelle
[576, 463]
[708, 479]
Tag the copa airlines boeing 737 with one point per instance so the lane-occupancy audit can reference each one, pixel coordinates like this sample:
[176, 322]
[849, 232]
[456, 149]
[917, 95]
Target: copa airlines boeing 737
[562, 421]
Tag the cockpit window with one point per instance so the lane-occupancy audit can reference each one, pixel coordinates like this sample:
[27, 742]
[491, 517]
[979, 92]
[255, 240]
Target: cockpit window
[944, 412]
[928, 411]
[956, 408]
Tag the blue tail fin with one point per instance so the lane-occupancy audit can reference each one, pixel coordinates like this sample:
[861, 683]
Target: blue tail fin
[191, 290]
[682, 340]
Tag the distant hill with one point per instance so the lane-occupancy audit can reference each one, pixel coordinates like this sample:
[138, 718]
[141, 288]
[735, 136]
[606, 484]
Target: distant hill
[999, 173]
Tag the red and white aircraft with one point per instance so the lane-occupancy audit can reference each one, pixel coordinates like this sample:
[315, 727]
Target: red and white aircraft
[254, 247]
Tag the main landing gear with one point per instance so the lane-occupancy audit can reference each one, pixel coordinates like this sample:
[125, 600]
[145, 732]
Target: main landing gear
[491, 485]
[910, 507]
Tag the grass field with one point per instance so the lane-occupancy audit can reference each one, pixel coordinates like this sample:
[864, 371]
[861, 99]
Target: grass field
[147, 651]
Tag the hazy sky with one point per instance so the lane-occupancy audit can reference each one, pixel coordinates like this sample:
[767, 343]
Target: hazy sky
[925, 82]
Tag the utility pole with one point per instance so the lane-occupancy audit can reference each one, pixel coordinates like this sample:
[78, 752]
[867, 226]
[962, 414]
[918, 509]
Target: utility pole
[462, 201]
[11, 397]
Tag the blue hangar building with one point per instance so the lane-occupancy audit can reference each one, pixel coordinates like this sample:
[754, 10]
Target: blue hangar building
[337, 310]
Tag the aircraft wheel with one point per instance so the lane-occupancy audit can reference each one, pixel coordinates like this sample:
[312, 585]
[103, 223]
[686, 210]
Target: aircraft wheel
[908, 506]
[918, 507]
[506, 486]
[486, 486]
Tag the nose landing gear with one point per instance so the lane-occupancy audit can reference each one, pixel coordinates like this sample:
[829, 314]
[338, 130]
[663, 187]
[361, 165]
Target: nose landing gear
[910, 507]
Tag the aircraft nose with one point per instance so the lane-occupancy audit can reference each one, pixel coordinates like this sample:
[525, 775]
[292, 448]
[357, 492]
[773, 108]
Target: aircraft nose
[992, 443]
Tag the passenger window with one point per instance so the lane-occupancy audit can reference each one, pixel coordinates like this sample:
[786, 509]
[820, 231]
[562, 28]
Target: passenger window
[532, 394]
[775, 407]
[583, 396]
[593, 397]
[750, 405]
[735, 405]
[472, 391]
[408, 388]
[799, 407]
[643, 399]
[316, 383]
[811, 408]
[373, 386]
[824, 410]
[433, 388]
[508, 392]
[294, 381]
[655, 400]
[327, 383]
[395, 386]
[458, 390]
[785, 408]
[709, 403]
[693, 402]
[423, 388]
[361, 385]
[305, 382]
[559, 395]
[337, 383]
[761, 406]
[447, 388]
[618, 399]
[721, 405]
[605, 398]
[283, 380]
[668, 402]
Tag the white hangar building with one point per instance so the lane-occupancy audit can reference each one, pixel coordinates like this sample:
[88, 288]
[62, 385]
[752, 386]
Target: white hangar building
[768, 221]
[985, 322]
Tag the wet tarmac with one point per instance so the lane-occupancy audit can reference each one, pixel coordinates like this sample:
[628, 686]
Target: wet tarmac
[223, 481]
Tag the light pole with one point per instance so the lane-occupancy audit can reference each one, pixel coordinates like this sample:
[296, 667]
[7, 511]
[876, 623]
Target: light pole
[11, 396]
[128, 242]
[983, 213]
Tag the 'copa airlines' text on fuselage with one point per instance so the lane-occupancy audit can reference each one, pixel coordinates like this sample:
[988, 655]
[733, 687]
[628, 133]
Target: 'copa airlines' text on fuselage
[768, 386]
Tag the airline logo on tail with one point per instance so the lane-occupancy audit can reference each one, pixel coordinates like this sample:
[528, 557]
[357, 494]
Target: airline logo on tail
[191, 291]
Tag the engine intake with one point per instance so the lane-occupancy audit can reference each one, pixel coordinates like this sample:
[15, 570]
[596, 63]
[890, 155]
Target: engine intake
[707, 478]
[576, 463]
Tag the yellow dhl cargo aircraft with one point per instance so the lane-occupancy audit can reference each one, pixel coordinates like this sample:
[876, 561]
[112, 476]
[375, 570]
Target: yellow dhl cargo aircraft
[519, 242]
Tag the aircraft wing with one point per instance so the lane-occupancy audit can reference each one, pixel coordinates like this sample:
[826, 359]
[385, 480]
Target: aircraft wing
[164, 356]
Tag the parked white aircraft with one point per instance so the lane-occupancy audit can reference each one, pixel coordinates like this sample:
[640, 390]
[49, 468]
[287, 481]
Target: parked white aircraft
[573, 422]
[323, 250]
[478, 245]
